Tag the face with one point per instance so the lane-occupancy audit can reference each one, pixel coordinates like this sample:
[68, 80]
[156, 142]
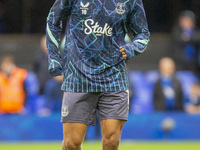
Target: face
[186, 23]
[167, 67]
[6, 66]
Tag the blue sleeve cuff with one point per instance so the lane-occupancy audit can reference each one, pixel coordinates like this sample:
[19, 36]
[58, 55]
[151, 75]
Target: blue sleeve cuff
[129, 51]
[55, 68]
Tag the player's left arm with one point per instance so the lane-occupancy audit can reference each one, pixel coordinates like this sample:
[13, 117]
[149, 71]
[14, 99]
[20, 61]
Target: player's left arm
[138, 24]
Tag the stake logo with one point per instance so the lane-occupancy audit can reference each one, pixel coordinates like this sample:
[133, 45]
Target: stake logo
[92, 27]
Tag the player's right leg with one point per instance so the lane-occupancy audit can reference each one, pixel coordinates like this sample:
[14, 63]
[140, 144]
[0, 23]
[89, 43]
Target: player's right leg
[78, 111]
[74, 134]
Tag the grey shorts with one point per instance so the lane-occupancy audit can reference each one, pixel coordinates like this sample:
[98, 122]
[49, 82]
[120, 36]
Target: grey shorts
[82, 107]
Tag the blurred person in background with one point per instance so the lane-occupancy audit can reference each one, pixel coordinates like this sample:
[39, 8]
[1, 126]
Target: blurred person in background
[40, 65]
[168, 94]
[12, 90]
[186, 40]
[193, 102]
[54, 94]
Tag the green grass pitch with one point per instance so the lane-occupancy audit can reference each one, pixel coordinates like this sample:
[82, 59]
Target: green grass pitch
[97, 146]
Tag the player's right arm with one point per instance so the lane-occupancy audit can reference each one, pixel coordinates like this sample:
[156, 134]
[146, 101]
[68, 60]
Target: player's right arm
[59, 10]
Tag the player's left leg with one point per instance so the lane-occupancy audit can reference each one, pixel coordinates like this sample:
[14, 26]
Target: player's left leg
[111, 133]
[74, 134]
[113, 108]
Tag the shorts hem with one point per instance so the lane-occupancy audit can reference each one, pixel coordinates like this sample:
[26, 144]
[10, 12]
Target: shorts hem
[114, 117]
[77, 121]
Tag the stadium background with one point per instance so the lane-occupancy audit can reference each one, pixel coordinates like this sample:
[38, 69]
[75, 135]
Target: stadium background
[24, 24]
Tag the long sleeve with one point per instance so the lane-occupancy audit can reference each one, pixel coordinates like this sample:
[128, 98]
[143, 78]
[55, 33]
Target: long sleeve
[59, 10]
[138, 24]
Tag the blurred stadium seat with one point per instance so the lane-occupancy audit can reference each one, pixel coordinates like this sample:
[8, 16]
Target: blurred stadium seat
[187, 79]
[143, 84]
[141, 102]
[31, 88]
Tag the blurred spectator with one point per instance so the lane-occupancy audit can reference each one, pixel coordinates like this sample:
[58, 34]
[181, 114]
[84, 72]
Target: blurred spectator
[168, 93]
[31, 87]
[53, 94]
[12, 90]
[193, 102]
[40, 65]
[186, 42]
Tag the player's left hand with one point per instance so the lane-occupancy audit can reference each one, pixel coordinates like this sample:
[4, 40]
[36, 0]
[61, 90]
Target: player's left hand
[123, 51]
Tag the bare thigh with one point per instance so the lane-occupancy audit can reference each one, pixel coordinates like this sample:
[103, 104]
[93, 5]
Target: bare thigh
[74, 133]
[111, 132]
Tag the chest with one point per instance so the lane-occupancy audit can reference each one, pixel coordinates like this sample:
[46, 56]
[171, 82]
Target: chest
[101, 10]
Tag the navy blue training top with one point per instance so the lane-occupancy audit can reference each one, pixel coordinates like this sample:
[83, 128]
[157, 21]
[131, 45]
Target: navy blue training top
[95, 31]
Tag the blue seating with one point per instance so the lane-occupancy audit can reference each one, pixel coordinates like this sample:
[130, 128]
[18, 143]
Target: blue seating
[31, 87]
[143, 84]
[141, 103]
[187, 79]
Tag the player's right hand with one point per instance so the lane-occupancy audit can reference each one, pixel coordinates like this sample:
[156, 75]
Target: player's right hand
[123, 51]
[55, 67]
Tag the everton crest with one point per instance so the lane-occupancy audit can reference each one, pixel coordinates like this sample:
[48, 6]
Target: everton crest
[120, 9]
[64, 111]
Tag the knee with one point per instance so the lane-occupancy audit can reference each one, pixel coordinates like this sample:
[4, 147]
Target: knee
[111, 141]
[71, 144]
